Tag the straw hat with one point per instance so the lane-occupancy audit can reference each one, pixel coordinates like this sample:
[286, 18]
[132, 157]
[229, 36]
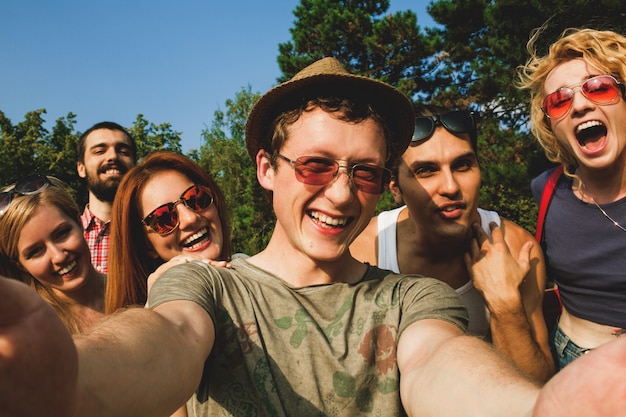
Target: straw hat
[327, 76]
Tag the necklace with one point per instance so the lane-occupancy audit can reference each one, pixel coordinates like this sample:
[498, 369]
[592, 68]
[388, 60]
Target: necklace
[607, 215]
[593, 200]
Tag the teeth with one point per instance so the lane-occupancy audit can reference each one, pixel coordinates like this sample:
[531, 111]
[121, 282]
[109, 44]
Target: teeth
[332, 221]
[112, 171]
[195, 236]
[587, 125]
[67, 269]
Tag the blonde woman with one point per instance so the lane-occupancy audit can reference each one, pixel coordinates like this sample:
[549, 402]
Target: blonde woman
[578, 115]
[43, 245]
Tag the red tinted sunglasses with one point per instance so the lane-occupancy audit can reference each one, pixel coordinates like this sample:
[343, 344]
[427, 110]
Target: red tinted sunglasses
[318, 170]
[164, 219]
[602, 89]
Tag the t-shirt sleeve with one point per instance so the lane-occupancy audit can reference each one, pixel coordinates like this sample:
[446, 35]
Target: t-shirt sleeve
[538, 183]
[194, 281]
[429, 298]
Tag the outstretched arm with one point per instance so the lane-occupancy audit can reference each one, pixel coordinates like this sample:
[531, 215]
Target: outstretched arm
[445, 373]
[513, 291]
[141, 362]
[592, 385]
[38, 361]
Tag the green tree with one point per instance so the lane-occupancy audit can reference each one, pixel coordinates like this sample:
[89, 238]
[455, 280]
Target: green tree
[28, 147]
[480, 45]
[21, 146]
[363, 36]
[468, 60]
[150, 137]
[225, 157]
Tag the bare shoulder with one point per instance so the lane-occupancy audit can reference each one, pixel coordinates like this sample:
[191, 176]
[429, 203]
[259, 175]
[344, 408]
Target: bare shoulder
[515, 235]
[365, 245]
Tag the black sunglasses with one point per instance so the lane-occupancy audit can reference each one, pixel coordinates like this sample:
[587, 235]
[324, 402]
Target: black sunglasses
[33, 184]
[457, 122]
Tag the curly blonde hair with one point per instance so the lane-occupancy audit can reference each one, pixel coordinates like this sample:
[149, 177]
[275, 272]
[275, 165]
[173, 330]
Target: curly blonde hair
[605, 50]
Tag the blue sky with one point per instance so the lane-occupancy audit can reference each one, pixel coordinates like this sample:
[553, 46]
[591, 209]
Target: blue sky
[172, 61]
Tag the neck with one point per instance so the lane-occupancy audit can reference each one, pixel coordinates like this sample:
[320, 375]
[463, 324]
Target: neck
[423, 252]
[90, 294]
[100, 209]
[300, 270]
[601, 186]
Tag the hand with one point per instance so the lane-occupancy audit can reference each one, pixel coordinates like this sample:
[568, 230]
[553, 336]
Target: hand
[181, 259]
[494, 270]
[38, 360]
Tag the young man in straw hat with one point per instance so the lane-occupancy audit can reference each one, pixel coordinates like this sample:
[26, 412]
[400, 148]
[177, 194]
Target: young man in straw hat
[302, 328]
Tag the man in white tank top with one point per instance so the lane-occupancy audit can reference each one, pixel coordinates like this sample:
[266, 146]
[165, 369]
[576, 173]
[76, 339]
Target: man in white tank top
[438, 180]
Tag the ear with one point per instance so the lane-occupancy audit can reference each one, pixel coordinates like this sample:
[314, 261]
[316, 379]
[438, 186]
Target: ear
[396, 192]
[264, 170]
[80, 167]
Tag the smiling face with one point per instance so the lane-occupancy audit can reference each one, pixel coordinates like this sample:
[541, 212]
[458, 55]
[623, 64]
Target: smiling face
[439, 181]
[594, 133]
[198, 233]
[320, 221]
[108, 156]
[52, 249]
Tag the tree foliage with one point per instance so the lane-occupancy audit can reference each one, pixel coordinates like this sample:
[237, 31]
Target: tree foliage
[468, 60]
[225, 157]
[28, 147]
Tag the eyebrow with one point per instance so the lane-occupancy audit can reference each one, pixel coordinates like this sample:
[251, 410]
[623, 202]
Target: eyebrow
[105, 145]
[466, 155]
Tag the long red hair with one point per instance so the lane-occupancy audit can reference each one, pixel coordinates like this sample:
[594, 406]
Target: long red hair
[128, 259]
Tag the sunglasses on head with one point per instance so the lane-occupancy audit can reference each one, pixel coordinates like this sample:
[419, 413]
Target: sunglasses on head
[457, 122]
[318, 170]
[164, 219]
[33, 184]
[602, 89]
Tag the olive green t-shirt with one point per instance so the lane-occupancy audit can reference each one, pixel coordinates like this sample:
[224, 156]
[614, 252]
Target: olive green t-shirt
[322, 350]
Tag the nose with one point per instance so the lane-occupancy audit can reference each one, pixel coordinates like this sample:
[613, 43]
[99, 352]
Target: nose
[186, 216]
[58, 255]
[449, 185]
[111, 154]
[340, 189]
[580, 102]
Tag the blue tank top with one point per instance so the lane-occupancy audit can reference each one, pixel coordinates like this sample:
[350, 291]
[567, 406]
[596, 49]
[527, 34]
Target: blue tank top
[585, 253]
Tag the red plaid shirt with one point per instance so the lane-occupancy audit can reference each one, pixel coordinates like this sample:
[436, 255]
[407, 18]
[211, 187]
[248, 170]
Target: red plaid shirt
[97, 236]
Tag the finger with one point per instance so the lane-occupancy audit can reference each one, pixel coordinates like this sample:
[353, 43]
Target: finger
[474, 247]
[523, 259]
[496, 233]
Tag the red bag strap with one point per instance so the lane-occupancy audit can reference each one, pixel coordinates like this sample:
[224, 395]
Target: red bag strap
[546, 197]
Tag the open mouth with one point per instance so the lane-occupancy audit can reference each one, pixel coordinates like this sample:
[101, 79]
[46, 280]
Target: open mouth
[451, 208]
[590, 133]
[327, 221]
[197, 239]
[69, 268]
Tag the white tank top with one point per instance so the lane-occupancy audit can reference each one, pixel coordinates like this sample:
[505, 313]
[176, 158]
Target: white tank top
[388, 259]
